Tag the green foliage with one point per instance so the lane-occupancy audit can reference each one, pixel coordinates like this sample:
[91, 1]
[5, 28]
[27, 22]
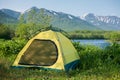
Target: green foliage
[5, 32]
[95, 64]
[44, 18]
[26, 31]
[110, 35]
[89, 56]
[10, 47]
[92, 57]
[87, 34]
[113, 36]
[36, 22]
[112, 54]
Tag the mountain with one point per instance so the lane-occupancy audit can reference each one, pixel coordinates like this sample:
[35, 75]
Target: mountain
[61, 20]
[8, 16]
[6, 19]
[103, 22]
[11, 13]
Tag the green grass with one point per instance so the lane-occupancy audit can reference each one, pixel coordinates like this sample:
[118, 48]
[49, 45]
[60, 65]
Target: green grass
[96, 64]
[103, 73]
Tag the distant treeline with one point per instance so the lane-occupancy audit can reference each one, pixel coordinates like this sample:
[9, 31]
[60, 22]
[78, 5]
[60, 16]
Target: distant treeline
[87, 34]
[112, 35]
[26, 31]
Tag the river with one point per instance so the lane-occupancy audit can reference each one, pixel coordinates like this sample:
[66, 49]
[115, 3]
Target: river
[97, 42]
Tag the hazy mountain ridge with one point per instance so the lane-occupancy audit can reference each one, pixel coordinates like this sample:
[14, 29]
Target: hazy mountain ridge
[63, 20]
[66, 21]
[8, 16]
[11, 13]
[104, 22]
[6, 19]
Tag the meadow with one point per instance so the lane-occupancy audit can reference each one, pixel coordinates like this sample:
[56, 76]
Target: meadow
[95, 64]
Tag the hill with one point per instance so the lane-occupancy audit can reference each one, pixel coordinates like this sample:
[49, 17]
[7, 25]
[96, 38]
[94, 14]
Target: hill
[62, 20]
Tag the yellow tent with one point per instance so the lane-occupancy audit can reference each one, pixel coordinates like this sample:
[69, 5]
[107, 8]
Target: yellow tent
[49, 50]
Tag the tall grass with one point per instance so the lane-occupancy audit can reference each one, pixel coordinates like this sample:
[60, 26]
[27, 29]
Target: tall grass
[95, 64]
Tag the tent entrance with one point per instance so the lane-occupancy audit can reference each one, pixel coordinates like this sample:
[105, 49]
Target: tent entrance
[40, 53]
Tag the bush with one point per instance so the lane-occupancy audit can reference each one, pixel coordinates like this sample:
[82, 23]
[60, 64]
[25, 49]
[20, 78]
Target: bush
[6, 32]
[112, 54]
[93, 57]
[9, 47]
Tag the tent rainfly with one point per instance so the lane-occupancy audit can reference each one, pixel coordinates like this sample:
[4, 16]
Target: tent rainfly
[49, 50]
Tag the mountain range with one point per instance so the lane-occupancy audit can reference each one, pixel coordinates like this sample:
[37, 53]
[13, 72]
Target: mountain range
[65, 21]
[103, 22]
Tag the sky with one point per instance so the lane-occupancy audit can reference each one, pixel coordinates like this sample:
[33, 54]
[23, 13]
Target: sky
[74, 7]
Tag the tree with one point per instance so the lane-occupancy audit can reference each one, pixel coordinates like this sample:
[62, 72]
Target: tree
[36, 21]
[43, 18]
[5, 32]
[113, 36]
[21, 19]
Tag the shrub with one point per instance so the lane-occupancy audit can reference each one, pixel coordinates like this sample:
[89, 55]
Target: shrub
[9, 47]
[112, 54]
[94, 57]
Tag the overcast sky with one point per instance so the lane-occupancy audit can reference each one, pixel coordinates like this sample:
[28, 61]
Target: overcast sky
[74, 7]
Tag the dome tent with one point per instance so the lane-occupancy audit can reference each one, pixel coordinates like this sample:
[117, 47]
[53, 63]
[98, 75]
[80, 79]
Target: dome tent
[49, 50]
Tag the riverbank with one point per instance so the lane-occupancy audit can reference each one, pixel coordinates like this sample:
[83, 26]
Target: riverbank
[109, 35]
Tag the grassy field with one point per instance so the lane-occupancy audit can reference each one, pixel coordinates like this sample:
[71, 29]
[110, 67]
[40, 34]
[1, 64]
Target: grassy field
[98, 73]
[95, 64]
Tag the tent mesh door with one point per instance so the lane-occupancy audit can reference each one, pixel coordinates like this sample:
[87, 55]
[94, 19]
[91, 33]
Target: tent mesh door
[40, 53]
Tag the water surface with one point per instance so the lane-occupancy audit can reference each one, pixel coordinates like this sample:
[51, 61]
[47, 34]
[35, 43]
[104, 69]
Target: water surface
[97, 42]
